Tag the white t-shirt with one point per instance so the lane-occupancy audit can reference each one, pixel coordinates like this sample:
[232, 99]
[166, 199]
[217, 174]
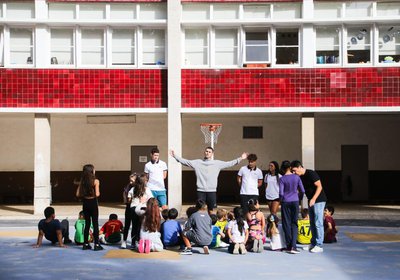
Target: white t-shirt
[250, 179]
[236, 236]
[272, 191]
[156, 175]
[136, 200]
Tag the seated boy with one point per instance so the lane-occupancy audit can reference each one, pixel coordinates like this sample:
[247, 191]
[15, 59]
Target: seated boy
[111, 231]
[197, 229]
[304, 231]
[217, 234]
[52, 229]
[329, 225]
[171, 231]
[80, 228]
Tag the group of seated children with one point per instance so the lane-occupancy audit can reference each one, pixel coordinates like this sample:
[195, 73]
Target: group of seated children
[239, 232]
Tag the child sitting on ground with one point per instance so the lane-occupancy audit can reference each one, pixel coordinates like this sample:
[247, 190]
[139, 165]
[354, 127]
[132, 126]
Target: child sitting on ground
[256, 222]
[111, 231]
[277, 241]
[217, 234]
[164, 214]
[171, 231]
[150, 236]
[304, 231]
[79, 228]
[238, 232]
[329, 225]
[197, 229]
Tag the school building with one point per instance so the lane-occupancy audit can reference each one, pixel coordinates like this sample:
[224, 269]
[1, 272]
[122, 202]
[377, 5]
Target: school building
[101, 82]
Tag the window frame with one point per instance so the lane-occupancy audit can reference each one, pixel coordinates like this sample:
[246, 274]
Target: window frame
[74, 48]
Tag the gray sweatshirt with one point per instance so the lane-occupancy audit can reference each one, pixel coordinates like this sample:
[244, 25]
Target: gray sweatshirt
[207, 171]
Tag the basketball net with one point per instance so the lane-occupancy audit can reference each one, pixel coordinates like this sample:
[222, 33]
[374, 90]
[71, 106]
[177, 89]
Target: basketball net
[211, 132]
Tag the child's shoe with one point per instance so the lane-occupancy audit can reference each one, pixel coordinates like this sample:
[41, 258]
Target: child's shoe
[255, 245]
[141, 246]
[147, 246]
[260, 246]
[102, 239]
[236, 249]
[206, 250]
[86, 247]
[98, 247]
[187, 251]
[242, 249]
[123, 244]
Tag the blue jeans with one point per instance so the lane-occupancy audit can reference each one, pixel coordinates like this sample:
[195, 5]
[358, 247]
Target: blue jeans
[317, 223]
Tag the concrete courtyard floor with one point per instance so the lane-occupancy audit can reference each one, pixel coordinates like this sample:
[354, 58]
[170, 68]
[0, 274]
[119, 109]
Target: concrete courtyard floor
[368, 248]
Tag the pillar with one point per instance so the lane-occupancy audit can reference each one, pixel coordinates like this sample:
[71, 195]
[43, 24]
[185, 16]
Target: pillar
[307, 145]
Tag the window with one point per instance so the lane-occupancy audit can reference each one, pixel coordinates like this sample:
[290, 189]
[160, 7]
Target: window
[195, 11]
[257, 46]
[92, 11]
[327, 45]
[225, 11]
[20, 10]
[226, 46]
[62, 46]
[358, 9]
[92, 47]
[252, 132]
[122, 11]
[391, 8]
[196, 47]
[358, 45]
[256, 11]
[287, 11]
[153, 11]
[389, 44]
[287, 46]
[21, 46]
[62, 11]
[153, 47]
[123, 47]
[327, 10]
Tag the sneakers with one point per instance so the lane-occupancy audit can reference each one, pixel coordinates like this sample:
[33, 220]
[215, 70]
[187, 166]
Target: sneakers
[293, 251]
[102, 239]
[317, 249]
[260, 246]
[242, 249]
[255, 245]
[206, 250]
[187, 251]
[141, 246]
[236, 249]
[223, 244]
[98, 247]
[86, 247]
[123, 244]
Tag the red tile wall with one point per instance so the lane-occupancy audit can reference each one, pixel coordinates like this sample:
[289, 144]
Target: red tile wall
[341, 87]
[84, 88]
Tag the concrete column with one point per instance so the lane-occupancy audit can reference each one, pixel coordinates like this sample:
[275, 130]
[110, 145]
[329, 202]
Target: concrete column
[42, 187]
[174, 103]
[307, 147]
[42, 36]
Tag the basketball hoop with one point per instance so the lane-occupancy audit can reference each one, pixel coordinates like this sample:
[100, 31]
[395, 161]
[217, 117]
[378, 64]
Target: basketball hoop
[211, 132]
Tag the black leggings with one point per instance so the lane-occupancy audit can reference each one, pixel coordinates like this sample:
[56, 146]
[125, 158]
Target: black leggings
[128, 220]
[91, 212]
[136, 224]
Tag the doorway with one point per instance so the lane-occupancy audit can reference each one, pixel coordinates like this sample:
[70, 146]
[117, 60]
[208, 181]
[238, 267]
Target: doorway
[355, 182]
[140, 155]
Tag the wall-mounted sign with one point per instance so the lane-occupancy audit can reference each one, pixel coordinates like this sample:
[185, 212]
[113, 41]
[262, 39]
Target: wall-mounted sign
[142, 158]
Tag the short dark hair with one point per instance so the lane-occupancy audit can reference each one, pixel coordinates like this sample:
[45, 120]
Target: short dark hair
[113, 217]
[155, 150]
[252, 157]
[285, 165]
[296, 163]
[214, 218]
[81, 213]
[48, 212]
[201, 204]
[190, 211]
[172, 213]
[330, 208]
[211, 148]
[304, 213]
[164, 214]
[251, 204]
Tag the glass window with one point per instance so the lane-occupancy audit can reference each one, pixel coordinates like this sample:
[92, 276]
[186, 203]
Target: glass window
[20, 10]
[389, 44]
[226, 46]
[62, 11]
[287, 46]
[257, 47]
[324, 10]
[92, 47]
[327, 45]
[153, 11]
[153, 47]
[92, 11]
[21, 46]
[195, 11]
[196, 47]
[287, 10]
[62, 46]
[256, 11]
[225, 11]
[358, 45]
[123, 47]
[390, 8]
[123, 11]
[358, 9]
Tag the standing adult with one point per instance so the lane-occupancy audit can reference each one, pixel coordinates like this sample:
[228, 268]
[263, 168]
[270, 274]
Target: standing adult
[290, 191]
[316, 203]
[89, 190]
[271, 181]
[156, 171]
[128, 214]
[207, 171]
[249, 178]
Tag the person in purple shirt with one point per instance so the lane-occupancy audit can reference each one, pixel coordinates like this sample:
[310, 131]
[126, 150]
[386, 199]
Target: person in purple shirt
[291, 190]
